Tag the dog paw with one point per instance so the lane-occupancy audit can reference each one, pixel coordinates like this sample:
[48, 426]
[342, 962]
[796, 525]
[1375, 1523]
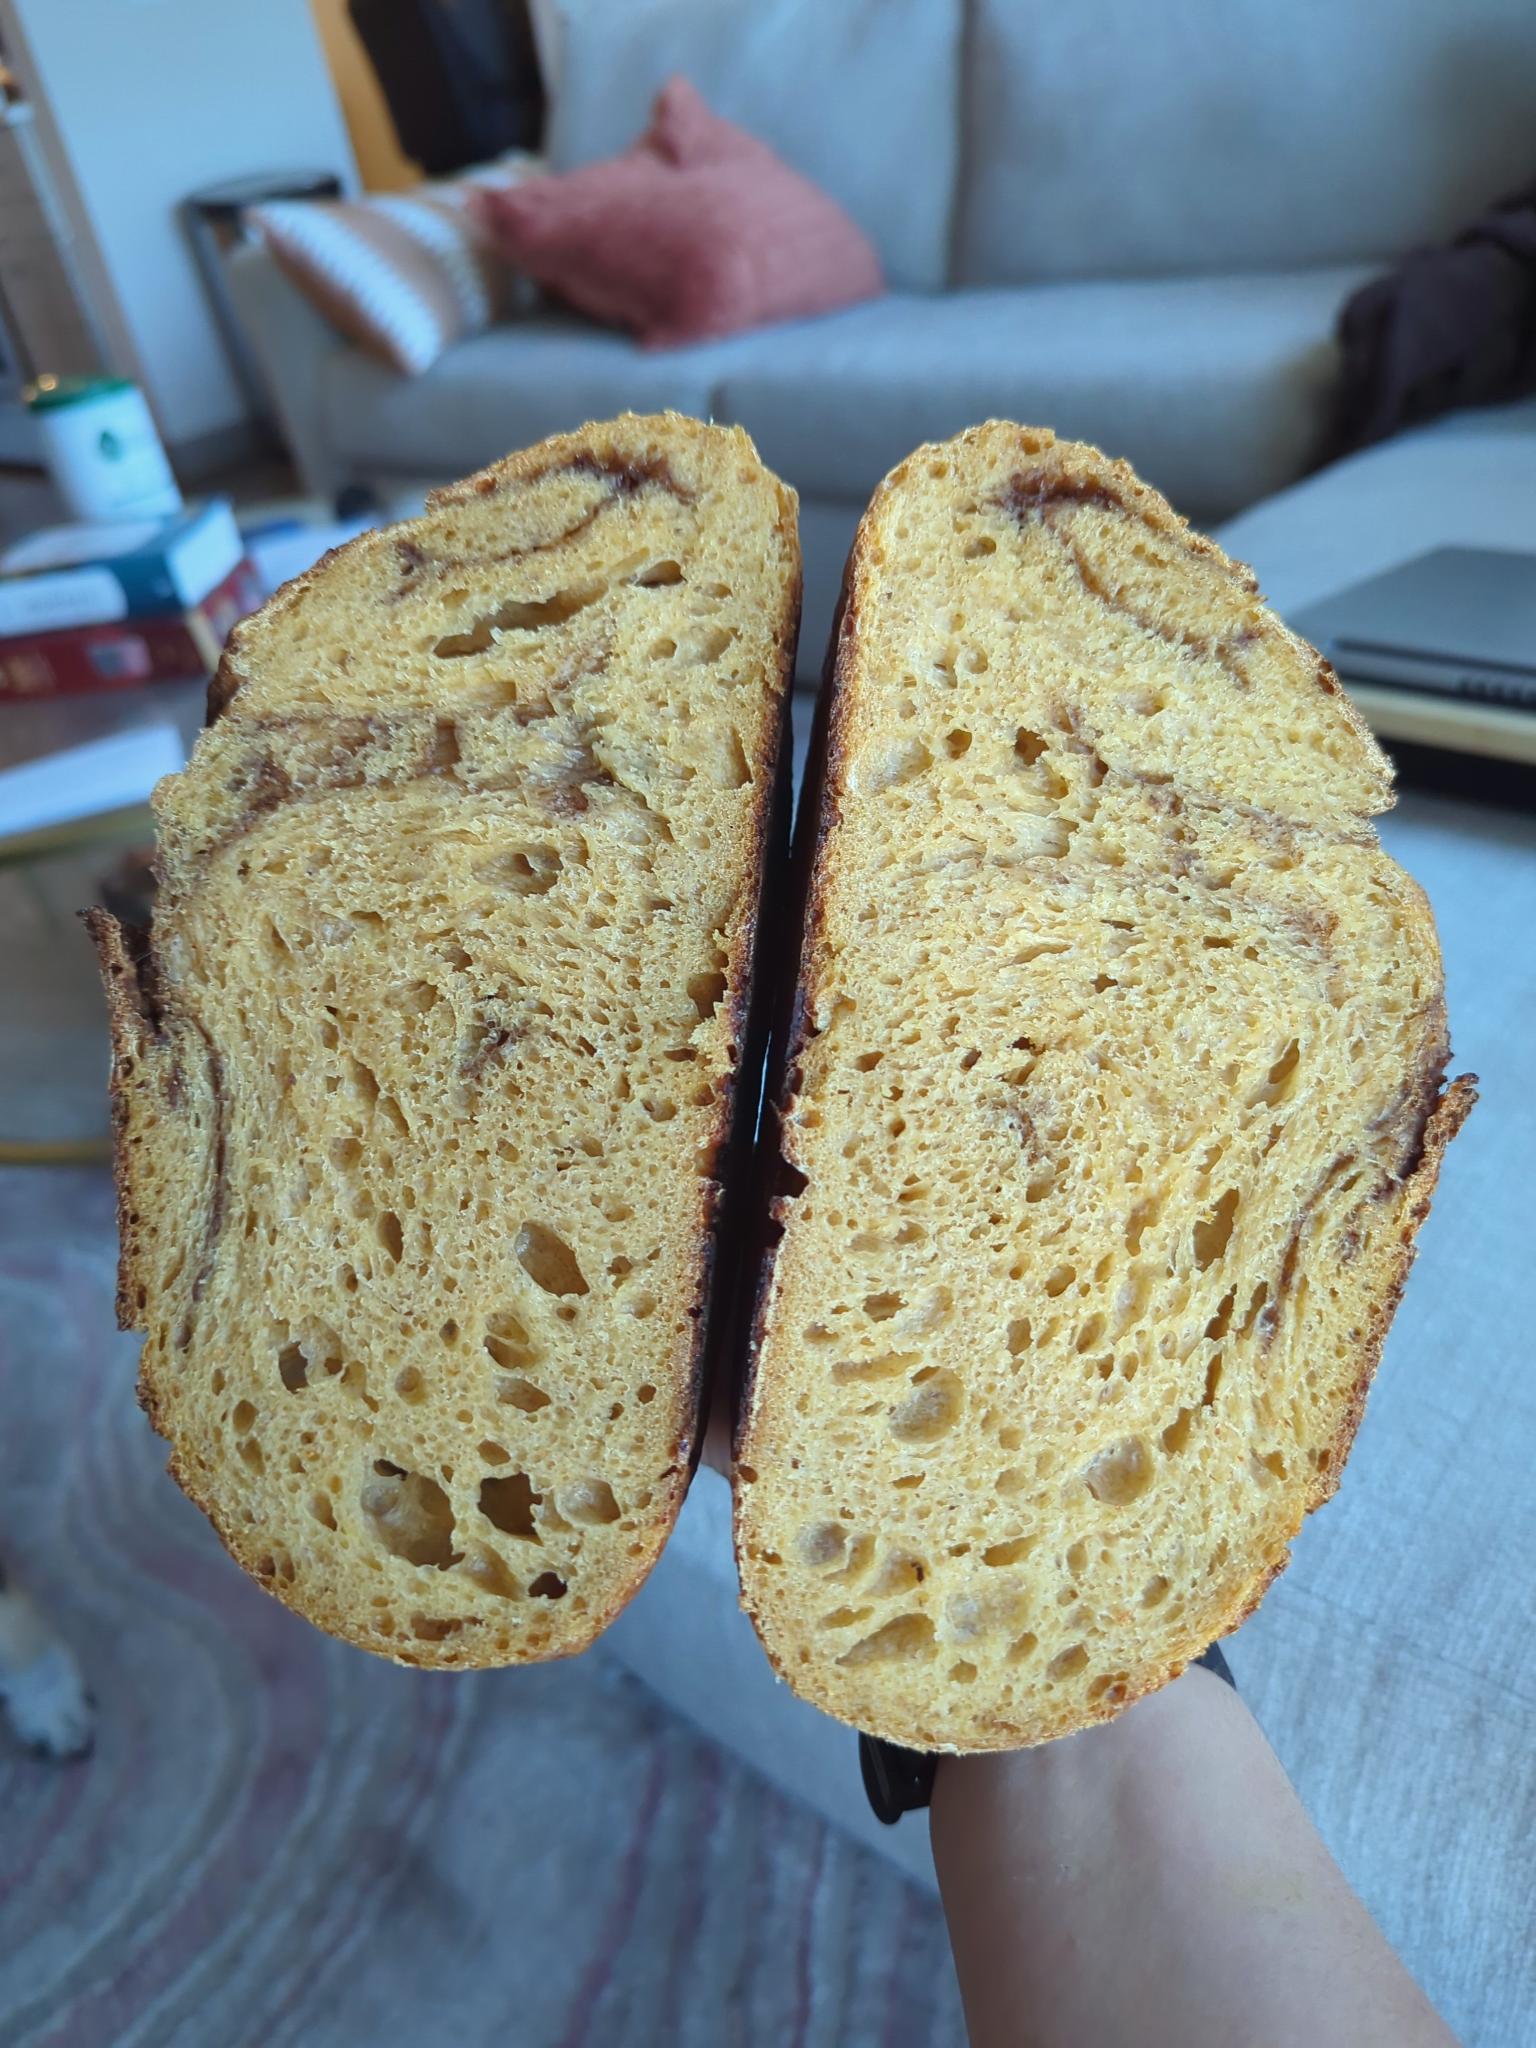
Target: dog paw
[49, 1707]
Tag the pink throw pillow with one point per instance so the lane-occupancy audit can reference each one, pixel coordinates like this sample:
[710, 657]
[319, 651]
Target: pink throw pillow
[695, 231]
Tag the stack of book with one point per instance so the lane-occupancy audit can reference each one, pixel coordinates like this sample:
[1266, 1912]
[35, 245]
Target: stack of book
[117, 606]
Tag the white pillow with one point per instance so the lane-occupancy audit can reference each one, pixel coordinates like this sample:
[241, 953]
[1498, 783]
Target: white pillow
[401, 275]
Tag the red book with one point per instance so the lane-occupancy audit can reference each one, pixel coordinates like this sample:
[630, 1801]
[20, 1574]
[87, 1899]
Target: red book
[130, 652]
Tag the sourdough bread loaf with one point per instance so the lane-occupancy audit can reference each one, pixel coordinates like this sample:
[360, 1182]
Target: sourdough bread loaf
[1110, 1106]
[423, 1077]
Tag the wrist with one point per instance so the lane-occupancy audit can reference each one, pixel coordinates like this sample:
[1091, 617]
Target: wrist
[1134, 1741]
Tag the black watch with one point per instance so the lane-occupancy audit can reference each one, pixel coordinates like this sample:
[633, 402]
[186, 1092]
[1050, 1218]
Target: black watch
[898, 1781]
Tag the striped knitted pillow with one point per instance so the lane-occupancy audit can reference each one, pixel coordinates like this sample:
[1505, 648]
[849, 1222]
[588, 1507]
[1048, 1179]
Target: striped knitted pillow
[402, 275]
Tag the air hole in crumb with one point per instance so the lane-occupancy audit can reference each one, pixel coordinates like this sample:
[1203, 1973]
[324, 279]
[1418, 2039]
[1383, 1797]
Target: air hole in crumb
[907, 1636]
[548, 1260]
[507, 1341]
[408, 1384]
[978, 547]
[1029, 746]
[527, 871]
[710, 643]
[243, 1417]
[658, 574]
[1276, 1083]
[495, 1454]
[1121, 1472]
[881, 1307]
[868, 1061]
[589, 1502]
[390, 1235]
[508, 1505]
[548, 1586]
[929, 1413]
[520, 615]
[888, 1365]
[320, 1507]
[411, 1516]
[1067, 1663]
[1214, 1232]
[490, 1574]
[293, 1368]
[957, 743]
[434, 1628]
[897, 1575]
[645, 1394]
[1013, 1552]
[846, 1617]
[1256, 1305]
[1176, 1435]
[821, 1545]
[899, 763]
[1221, 1321]
[1019, 1334]
[705, 992]
[523, 1394]
[962, 1673]
[1059, 1280]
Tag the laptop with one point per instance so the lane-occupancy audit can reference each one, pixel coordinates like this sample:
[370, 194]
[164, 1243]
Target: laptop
[1456, 622]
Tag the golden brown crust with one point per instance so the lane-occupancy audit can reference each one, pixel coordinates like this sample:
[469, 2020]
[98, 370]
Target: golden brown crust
[129, 1026]
[166, 1067]
[1046, 476]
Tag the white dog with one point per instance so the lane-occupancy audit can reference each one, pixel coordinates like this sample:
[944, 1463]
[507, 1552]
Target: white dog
[40, 1683]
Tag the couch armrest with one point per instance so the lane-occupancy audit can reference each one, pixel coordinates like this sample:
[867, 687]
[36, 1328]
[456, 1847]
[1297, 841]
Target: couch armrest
[290, 342]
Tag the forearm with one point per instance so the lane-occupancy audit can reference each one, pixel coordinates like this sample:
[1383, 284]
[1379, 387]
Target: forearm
[1157, 1881]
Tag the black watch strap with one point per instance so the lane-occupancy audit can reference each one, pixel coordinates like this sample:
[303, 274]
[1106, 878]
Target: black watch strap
[898, 1781]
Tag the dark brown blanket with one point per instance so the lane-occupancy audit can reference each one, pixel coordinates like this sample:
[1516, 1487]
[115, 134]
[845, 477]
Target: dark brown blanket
[1448, 327]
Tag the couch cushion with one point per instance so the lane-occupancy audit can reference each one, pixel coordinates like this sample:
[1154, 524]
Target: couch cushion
[1111, 138]
[697, 230]
[502, 390]
[861, 98]
[403, 275]
[1212, 387]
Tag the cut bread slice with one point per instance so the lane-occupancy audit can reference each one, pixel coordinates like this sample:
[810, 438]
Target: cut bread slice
[1110, 1107]
[423, 1079]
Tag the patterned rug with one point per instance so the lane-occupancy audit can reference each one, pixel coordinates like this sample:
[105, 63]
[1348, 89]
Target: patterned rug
[282, 1841]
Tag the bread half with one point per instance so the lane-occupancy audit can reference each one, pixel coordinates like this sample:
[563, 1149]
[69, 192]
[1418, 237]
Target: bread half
[423, 1078]
[1110, 1107]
